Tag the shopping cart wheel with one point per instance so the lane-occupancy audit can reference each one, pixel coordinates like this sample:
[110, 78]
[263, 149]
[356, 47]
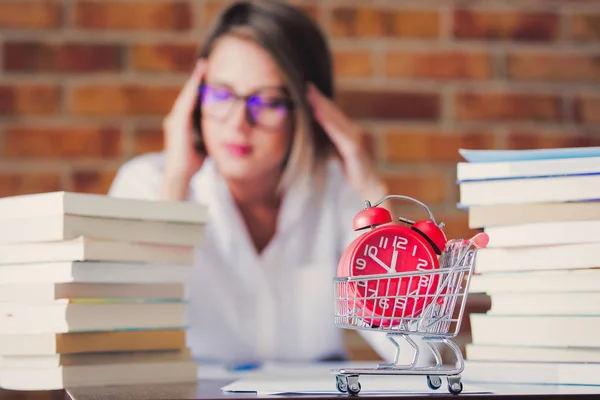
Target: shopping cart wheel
[455, 386]
[353, 385]
[434, 382]
[341, 383]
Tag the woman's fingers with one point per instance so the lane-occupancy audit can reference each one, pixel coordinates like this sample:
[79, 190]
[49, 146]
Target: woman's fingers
[343, 132]
[187, 97]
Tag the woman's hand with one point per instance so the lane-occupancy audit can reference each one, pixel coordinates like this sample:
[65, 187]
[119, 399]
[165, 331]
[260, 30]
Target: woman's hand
[181, 160]
[346, 135]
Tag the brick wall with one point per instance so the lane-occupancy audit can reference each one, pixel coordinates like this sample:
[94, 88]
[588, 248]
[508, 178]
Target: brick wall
[84, 84]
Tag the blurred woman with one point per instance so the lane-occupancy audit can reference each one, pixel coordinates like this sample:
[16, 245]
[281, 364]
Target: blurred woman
[255, 136]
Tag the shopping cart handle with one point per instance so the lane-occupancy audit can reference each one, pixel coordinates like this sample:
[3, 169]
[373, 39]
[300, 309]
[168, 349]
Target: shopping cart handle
[406, 220]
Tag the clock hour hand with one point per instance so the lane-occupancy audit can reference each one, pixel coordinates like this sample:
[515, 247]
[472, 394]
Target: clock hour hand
[378, 261]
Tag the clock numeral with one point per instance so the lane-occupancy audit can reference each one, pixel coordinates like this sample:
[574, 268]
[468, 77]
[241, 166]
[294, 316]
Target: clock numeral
[371, 251]
[424, 281]
[384, 303]
[399, 304]
[422, 264]
[370, 291]
[383, 242]
[360, 264]
[400, 242]
[414, 252]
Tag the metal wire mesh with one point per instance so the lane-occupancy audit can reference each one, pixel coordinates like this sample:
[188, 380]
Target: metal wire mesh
[418, 303]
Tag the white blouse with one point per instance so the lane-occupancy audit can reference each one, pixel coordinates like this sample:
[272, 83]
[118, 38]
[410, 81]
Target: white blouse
[277, 305]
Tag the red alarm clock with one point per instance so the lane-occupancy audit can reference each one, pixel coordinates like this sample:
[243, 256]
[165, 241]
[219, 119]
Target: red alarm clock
[388, 249]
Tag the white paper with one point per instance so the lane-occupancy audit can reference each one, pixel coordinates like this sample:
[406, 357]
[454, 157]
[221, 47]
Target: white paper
[275, 379]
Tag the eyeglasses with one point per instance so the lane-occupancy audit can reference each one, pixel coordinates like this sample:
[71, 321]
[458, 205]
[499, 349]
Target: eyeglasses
[267, 107]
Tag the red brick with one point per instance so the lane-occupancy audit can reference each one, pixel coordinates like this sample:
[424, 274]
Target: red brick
[585, 27]
[438, 65]
[505, 25]
[425, 146]
[63, 57]
[312, 10]
[14, 184]
[426, 187]
[389, 105]
[168, 57]
[540, 139]
[122, 100]
[38, 15]
[212, 8]
[587, 109]
[564, 67]
[29, 99]
[90, 181]
[148, 140]
[507, 106]
[133, 15]
[353, 64]
[61, 142]
[385, 22]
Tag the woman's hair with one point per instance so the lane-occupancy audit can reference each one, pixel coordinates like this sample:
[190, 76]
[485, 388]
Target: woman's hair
[297, 46]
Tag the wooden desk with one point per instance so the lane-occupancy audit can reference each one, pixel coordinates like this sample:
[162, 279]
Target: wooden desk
[211, 389]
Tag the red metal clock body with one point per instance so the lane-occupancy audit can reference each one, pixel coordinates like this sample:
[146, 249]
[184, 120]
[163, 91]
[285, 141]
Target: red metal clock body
[386, 250]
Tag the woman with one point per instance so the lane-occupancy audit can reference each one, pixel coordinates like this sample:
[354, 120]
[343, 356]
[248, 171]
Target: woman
[255, 136]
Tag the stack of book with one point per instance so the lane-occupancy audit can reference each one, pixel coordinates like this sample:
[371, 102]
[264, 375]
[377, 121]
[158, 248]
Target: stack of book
[92, 290]
[541, 269]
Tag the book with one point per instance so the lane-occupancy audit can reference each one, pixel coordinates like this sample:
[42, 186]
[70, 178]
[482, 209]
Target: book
[96, 205]
[122, 292]
[483, 156]
[86, 249]
[518, 214]
[470, 171]
[56, 378]
[546, 303]
[538, 258]
[535, 330]
[585, 280]
[94, 272]
[531, 372]
[480, 352]
[60, 227]
[63, 316]
[49, 343]
[530, 190]
[117, 357]
[544, 233]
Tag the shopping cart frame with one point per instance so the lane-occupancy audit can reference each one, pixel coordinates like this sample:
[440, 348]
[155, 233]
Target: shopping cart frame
[435, 323]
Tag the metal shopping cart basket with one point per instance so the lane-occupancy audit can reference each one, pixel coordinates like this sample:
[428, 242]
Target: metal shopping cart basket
[438, 321]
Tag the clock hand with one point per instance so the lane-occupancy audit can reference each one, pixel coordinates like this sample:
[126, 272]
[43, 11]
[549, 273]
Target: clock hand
[378, 261]
[393, 263]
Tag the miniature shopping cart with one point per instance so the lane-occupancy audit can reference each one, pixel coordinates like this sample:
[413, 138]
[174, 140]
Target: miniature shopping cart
[438, 321]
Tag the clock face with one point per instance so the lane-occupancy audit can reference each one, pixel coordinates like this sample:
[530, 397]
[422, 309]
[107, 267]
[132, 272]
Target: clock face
[392, 250]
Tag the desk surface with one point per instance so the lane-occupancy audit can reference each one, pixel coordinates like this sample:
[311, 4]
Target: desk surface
[211, 389]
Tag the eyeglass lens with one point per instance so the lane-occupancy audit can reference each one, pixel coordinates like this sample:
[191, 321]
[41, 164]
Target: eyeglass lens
[264, 109]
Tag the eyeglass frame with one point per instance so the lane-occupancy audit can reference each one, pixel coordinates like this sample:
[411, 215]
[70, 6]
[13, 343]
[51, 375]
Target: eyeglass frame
[286, 101]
